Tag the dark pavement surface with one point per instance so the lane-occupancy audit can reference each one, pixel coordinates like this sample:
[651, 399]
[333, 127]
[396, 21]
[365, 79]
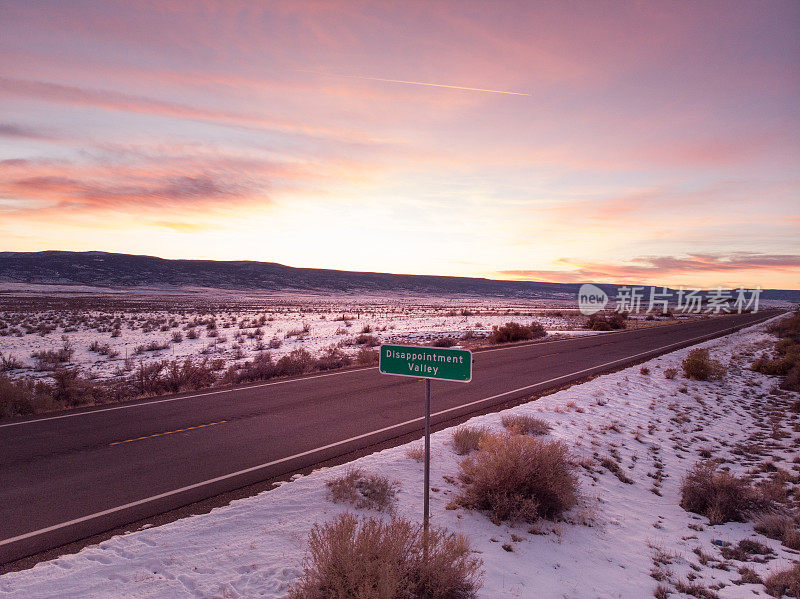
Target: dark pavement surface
[69, 475]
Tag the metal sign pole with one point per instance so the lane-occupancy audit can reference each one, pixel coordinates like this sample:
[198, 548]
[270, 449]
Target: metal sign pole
[426, 508]
[428, 363]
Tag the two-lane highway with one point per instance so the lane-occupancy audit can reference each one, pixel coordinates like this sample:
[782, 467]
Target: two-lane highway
[69, 475]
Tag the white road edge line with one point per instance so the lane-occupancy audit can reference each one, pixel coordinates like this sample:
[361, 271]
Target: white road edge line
[260, 385]
[339, 443]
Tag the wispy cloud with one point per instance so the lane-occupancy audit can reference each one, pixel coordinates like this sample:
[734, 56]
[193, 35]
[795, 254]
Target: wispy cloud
[113, 100]
[15, 131]
[652, 268]
[422, 83]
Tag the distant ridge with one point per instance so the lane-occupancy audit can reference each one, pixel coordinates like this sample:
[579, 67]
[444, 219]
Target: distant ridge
[103, 269]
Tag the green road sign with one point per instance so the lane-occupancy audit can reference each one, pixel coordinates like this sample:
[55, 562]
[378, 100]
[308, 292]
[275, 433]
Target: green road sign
[426, 362]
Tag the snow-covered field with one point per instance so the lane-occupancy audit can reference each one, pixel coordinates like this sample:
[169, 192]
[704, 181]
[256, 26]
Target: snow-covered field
[235, 328]
[611, 546]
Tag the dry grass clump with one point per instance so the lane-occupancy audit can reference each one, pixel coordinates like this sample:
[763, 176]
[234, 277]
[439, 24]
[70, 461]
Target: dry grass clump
[515, 477]
[780, 527]
[786, 357]
[369, 559]
[513, 331]
[9, 362]
[367, 357]
[23, 397]
[416, 453]
[523, 424]
[700, 367]
[364, 491]
[670, 373]
[468, 438]
[333, 357]
[601, 322]
[717, 494]
[786, 582]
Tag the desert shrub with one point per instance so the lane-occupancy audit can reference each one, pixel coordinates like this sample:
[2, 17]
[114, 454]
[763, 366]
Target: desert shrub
[333, 357]
[259, 368]
[104, 349]
[468, 438]
[364, 491]
[70, 389]
[787, 328]
[670, 373]
[748, 576]
[785, 360]
[598, 322]
[52, 359]
[187, 375]
[9, 362]
[780, 365]
[514, 477]
[601, 322]
[191, 334]
[716, 494]
[700, 367]
[296, 362]
[513, 331]
[373, 559]
[177, 337]
[147, 377]
[744, 549]
[443, 342]
[367, 357]
[23, 397]
[785, 582]
[780, 527]
[523, 424]
[792, 380]
[367, 340]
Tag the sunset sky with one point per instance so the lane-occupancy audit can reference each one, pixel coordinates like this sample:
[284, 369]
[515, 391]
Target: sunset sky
[618, 142]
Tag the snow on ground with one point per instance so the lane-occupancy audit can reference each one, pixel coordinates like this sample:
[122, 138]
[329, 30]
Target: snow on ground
[146, 330]
[607, 548]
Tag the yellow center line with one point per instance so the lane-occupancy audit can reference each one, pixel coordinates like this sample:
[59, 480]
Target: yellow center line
[180, 430]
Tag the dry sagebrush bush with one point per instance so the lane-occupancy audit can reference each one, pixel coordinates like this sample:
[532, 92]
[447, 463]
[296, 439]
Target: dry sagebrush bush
[523, 424]
[468, 438]
[372, 559]
[513, 331]
[364, 491]
[716, 494]
[785, 582]
[780, 527]
[514, 477]
[699, 366]
[23, 397]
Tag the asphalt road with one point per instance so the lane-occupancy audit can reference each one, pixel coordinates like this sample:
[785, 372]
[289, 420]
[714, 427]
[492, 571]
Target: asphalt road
[70, 475]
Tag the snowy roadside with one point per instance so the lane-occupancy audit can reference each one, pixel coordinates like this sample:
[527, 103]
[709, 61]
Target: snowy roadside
[608, 548]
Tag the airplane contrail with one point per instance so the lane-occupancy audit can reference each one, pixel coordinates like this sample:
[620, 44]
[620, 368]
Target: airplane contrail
[472, 89]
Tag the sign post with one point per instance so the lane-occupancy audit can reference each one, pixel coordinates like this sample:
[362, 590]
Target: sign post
[428, 363]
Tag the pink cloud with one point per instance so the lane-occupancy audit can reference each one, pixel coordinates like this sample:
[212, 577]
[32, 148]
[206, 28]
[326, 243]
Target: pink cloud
[647, 269]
